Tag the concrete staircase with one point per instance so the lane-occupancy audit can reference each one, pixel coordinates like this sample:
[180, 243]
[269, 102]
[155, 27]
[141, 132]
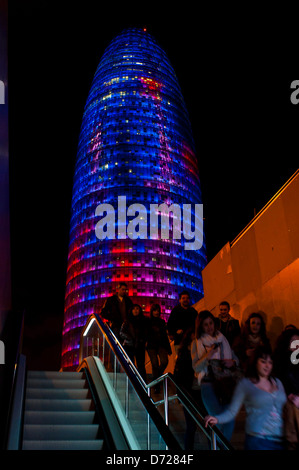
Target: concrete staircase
[59, 413]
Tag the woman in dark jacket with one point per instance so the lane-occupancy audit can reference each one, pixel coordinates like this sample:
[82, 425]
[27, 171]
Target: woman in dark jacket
[133, 335]
[158, 346]
[253, 335]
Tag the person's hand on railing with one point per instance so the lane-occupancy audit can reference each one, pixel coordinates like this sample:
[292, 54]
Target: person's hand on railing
[294, 399]
[210, 420]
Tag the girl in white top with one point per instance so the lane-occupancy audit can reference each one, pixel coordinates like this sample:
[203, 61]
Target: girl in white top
[209, 344]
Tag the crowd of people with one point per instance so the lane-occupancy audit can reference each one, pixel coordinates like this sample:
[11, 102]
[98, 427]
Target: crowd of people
[221, 364]
[138, 333]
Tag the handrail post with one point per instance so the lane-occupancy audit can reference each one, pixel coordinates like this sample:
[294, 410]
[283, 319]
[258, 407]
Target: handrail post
[165, 394]
[213, 440]
[103, 350]
[15, 421]
[87, 341]
[148, 433]
[166, 404]
[98, 346]
[114, 371]
[127, 397]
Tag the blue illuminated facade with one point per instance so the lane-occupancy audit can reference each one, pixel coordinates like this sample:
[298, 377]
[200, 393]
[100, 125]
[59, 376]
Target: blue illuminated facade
[135, 141]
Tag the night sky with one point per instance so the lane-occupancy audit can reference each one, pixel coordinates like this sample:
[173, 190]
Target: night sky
[235, 74]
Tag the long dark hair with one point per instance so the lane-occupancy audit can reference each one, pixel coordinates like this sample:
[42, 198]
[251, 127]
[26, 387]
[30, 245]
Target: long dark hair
[186, 339]
[251, 371]
[262, 333]
[155, 307]
[131, 317]
[201, 317]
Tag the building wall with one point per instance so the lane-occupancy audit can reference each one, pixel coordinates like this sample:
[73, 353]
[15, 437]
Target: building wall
[259, 270]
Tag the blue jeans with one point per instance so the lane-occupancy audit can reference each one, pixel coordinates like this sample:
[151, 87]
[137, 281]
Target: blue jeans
[259, 443]
[214, 407]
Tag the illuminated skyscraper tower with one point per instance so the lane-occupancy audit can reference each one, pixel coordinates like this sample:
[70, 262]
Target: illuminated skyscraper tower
[135, 147]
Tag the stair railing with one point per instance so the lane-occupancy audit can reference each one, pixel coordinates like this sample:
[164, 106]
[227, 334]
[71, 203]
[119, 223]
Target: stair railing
[98, 340]
[13, 429]
[93, 343]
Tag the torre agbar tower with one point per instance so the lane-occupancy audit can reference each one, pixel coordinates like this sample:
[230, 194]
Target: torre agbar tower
[135, 147]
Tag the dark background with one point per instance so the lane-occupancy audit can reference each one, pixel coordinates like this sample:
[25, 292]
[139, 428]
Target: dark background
[235, 69]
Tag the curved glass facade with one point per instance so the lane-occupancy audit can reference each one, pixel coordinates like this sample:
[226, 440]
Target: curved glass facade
[135, 147]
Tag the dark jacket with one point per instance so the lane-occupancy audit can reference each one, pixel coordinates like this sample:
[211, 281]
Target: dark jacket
[111, 311]
[183, 369]
[157, 335]
[244, 342]
[180, 319]
[230, 328]
[290, 378]
[133, 331]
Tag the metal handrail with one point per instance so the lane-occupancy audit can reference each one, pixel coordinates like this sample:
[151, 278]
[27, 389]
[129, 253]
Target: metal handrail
[15, 404]
[182, 395]
[192, 406]
[118, 434]
[135, 379]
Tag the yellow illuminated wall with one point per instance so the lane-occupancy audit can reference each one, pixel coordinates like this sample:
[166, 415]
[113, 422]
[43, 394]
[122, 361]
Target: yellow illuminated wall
[259, 270]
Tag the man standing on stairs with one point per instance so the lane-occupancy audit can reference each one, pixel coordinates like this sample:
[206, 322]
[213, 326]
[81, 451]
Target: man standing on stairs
[116, 308]
[182, 317]
[226, 324]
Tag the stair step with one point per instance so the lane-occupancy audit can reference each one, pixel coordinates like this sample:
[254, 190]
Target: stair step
[59, 413]
[55, 374]
[63, 445]
[59, 432]
[55, 383]
[33, 404]
[59, 417]
[58, 393]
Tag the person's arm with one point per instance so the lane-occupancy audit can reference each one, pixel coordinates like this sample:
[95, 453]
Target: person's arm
[294, 399]
[200, 355]
[123, 332]
[233, 408]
